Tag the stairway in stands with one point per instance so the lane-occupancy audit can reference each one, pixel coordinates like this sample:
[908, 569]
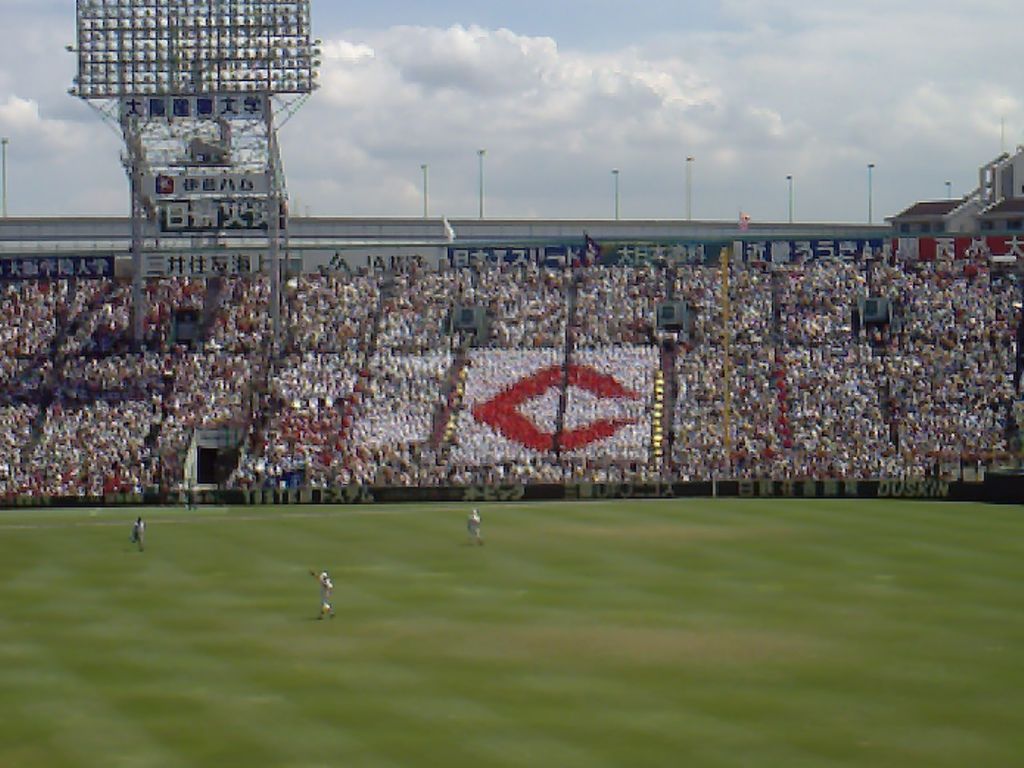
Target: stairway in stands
[783, 430]
[664, 406]
[780, 385]
[212, 304]
[47, 387]
[572, 280]
[369, 330]
[446, 417]
[452, 394]
[889, 406]
[67, 326]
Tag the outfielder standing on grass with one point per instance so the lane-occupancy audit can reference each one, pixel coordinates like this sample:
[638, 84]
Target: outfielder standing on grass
[326, 590]
[473, 527]
[139, 533]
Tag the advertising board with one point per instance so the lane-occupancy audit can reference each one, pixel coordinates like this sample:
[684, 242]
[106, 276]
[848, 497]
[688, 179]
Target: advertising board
[171, 186]
[55, 267]
[202, 264]
[226, 106]
[199, 215]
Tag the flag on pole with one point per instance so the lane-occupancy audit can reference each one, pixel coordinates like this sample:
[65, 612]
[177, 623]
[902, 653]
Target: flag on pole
[591, 251]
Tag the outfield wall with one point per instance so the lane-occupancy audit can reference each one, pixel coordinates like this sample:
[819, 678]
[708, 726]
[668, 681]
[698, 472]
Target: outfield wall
[996, 488]
[809, 489]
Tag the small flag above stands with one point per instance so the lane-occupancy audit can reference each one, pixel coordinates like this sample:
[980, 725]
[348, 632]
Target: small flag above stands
[591, 252]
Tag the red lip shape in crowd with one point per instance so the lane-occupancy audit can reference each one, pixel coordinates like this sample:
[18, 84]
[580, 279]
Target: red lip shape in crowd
[501, 412]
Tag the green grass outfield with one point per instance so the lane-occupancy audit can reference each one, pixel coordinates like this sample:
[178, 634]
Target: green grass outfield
[664, 633]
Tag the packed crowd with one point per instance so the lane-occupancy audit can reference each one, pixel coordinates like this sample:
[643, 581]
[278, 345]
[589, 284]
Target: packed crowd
[312, 389]
[92, 451]
[951, 363]
[415, 317]
[374, 387]
[115, 378]
[99, 417]
[699, 438]
[100, 315]
[832, 398]
[525, 303]
[28, 326]
[15, 435]
[211, 390]
[617, 305]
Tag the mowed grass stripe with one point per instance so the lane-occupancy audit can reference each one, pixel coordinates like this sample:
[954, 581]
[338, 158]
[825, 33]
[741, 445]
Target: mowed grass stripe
[705, 632]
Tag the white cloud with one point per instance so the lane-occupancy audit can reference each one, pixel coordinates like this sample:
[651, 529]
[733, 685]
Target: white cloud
[19, 113]
[345, 51]
[548, 117]
[20, 118]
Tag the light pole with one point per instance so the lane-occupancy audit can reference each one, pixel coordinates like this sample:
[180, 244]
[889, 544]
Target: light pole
[3, 171]
[423, 168]
[689, 188]
[789, 179]
[949, 190]
[480, 155]
[615, 175]
[871, 167]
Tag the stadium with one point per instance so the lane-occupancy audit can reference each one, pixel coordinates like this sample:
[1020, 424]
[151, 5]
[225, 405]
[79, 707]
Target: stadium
[736, 478]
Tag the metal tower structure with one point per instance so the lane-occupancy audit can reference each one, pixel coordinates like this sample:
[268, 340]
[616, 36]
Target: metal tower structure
[198, 90]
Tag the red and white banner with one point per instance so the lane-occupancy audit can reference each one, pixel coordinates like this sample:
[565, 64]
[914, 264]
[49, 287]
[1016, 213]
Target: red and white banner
[1002, 247]
[512, 400]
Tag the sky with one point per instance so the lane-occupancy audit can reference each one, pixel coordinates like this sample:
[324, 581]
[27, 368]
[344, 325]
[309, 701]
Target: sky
[561, 92]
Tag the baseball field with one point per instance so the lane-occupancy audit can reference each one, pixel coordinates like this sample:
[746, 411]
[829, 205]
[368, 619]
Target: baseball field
[662, 633]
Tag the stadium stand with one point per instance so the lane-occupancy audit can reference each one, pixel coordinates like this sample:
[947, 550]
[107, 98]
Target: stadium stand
[573, 380]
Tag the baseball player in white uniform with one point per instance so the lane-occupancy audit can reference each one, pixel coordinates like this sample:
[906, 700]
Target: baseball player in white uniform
[326, 590]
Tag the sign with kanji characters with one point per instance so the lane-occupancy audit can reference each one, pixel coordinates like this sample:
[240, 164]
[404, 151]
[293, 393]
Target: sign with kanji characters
[1002, 248]
[608, 254]
[554, 256]
[635, 254]
[804, 251]
[55, 267]
[225, 106]
[171, 185]
[211, 215]
[202, 264]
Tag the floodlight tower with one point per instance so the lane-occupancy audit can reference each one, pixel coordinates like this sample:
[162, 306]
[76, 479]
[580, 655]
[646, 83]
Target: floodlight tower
[194, 87]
